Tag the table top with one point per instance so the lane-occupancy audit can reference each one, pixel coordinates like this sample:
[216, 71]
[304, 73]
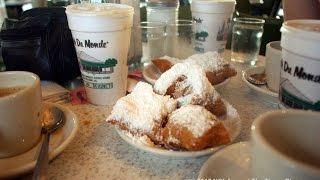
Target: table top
[97, 152]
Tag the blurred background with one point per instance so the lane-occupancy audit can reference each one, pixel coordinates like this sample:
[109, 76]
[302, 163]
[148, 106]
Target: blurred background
[269, 10]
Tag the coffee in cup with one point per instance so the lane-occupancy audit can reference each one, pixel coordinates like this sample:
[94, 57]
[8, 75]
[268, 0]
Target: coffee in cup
[20, 112]
[286, 145]
[9, 90]
[101, 34]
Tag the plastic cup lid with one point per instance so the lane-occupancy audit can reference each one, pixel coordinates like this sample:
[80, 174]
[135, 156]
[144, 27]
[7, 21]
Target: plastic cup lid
[162, 3]
[100, 9]
[213, 6]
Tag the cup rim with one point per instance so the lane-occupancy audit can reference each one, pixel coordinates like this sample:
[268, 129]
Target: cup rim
[157, 24]
[248, 20]
[120, 11]
[186, 22]
[256, 134]
[274, 45]
[20, 93]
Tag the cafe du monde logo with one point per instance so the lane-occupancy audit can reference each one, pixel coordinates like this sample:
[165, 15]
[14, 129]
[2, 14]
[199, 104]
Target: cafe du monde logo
[95, 66]
[200, 35]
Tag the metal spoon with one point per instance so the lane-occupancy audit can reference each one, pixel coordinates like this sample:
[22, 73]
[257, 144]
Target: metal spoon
[53, 120]
[256, 81]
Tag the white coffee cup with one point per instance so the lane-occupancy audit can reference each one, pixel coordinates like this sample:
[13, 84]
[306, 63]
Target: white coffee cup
[273, 65]
[212, 23]
[20, 112]
[286, 144]
[101, 34]
[300, 77]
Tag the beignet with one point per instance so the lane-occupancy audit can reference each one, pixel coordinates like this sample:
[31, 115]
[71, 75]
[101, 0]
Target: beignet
[142, 112]
[188, 84]
[193, 128]
[216, 68]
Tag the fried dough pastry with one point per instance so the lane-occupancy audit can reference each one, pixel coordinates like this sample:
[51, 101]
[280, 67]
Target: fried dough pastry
[142, 112]
[188, 84]
[194, 128]
[217, 70]
[162, 64]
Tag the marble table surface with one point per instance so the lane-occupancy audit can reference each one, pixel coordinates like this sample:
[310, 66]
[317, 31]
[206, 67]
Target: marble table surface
[97, 152]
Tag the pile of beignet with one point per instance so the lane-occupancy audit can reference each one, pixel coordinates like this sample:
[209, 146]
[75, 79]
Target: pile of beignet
[217, 70]
[181, 112]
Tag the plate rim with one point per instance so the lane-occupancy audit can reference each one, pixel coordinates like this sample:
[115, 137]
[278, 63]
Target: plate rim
[204, 167]
[257, 88]
[167, 153]
[54, 153]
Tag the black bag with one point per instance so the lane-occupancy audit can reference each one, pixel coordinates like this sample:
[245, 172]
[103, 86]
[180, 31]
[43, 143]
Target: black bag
[40, 42]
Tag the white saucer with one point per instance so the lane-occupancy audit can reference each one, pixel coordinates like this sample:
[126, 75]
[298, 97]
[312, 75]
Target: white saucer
[231, 122]
[151, 74]
[263, 90]
[232, 162]
[59, 140]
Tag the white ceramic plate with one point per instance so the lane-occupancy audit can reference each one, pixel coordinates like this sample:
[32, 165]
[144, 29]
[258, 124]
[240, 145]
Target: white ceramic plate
[260, 89]
[59, 140]
[232, 122]
[151, 74]
[232, 162]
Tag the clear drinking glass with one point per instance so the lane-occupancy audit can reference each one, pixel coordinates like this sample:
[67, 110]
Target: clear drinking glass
[180, 39]
[246, 40]
[153, 40]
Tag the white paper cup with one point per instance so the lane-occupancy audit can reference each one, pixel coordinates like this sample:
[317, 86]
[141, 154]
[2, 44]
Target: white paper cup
[212, 23]
[285, 145]
[20, 113]
[300, 75]
[101, 34]
[273, 63]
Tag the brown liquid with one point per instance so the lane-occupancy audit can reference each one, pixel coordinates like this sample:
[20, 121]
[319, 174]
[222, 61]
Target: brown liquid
[9, 90]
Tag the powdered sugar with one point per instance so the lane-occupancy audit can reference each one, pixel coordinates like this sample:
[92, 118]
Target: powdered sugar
[143, 140]
[232, 113]
[172, 139]
[141, 109]
[195, 118]
[209, 61]
[195, 78]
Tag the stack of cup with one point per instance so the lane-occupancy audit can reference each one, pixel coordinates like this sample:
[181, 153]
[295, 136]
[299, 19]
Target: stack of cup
[212, 18]
[101, 34]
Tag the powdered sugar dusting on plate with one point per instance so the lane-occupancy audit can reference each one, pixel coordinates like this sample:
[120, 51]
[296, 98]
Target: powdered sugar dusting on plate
[143, 140]
[141, 109]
